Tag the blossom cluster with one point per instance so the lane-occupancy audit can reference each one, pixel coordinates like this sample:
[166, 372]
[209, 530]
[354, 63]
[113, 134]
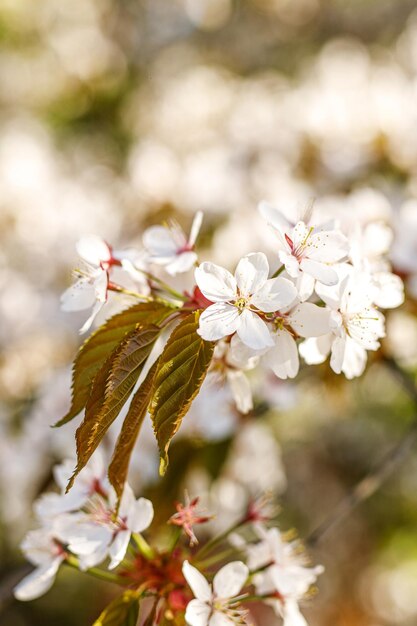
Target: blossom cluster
[85, 529]
[316, 293]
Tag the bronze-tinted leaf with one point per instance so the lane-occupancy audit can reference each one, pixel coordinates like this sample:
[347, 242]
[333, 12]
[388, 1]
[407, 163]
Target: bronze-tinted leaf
[96, 349]
[123, 611]
[119, 465]
[111, 388]
[181, 370]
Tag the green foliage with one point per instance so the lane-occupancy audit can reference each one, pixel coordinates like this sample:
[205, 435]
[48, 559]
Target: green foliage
[96, 349]
[181, 370]
[123, 611]
[119, 465]
[112, 387]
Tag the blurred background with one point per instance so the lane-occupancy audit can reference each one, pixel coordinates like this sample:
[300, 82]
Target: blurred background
[118, 114]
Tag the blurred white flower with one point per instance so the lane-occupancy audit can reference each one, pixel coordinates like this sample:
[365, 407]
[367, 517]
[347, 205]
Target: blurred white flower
[169, 246]
[88, 292]
[43, 550]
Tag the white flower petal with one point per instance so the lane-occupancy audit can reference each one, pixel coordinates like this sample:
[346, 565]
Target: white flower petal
[276, 293]
[140, 515]
[253, 331]
[221, 619]
[93, 249]
[216, 283]
[354, 359]
[229, 581]
[81, 295]
[160, 242]
[321, 272]
[118, 548]
[195, 227]
[218, 320]
[274, 217]
[309, 320]
[87, 324]
[291, 263]
[198, 584]
[283, 358]
[39, 581]
[338, 354]
[291, 614]
[251, 273]
[327, 246]
[182, 263]
[197, 613]
[241, 390]
[316, 349]
[390, 290]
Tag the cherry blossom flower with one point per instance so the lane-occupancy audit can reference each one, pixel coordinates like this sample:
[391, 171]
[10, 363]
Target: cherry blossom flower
[216, 605]
[307, 250]
[232, 360]
[98, 533]
[285, 575]
[304, 320]
[88, 292]
[43, 550]
[187, 516]
[239, 301]
[356, 325]
[169, 246]
[90, 481]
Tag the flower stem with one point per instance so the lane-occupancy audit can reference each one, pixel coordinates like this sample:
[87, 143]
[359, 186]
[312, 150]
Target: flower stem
[143, 546]
[215, 541]
[278, 271]
[72, 561]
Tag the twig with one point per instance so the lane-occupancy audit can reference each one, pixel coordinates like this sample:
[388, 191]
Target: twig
[376, 477]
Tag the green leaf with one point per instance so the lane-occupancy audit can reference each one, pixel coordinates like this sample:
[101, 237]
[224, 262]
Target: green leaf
[95, 350]
[119, 465]
[123, 611]
[111, 388]
[181, 370]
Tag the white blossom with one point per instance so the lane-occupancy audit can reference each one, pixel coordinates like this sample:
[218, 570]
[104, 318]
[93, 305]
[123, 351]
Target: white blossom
[42, 549]
[170, 247]
[240, 300]
[216, 604]
[96, 534]
[306, 251]
[356, 325]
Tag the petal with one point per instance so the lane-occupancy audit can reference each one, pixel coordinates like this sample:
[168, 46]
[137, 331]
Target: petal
[216, 283]
[327, 246]
[283, 358]
[87, 324]
[321, 272]
[195, 227]
[140, 515]
[291, 264]
[199, 585]
[274, 217]
[197, 613]
[93, 249]
[338, 354]
[291, 614]
[300, 234]
[316, 350]
[367, 328]
[38, 582]
[218, 320]
[276, 293]
[81, 295]
[228, 581]
[159, 242]
[251, 273]
[182, 263]
[390, 290]
[118, 548]
[221, 619]
[253, 331]
[309, 320]
[354, 359]
[241, 390]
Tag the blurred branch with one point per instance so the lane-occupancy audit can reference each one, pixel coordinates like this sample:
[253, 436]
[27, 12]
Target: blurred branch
[376, 477]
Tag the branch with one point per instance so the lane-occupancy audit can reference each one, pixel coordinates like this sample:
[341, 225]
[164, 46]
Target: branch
[376, 477]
